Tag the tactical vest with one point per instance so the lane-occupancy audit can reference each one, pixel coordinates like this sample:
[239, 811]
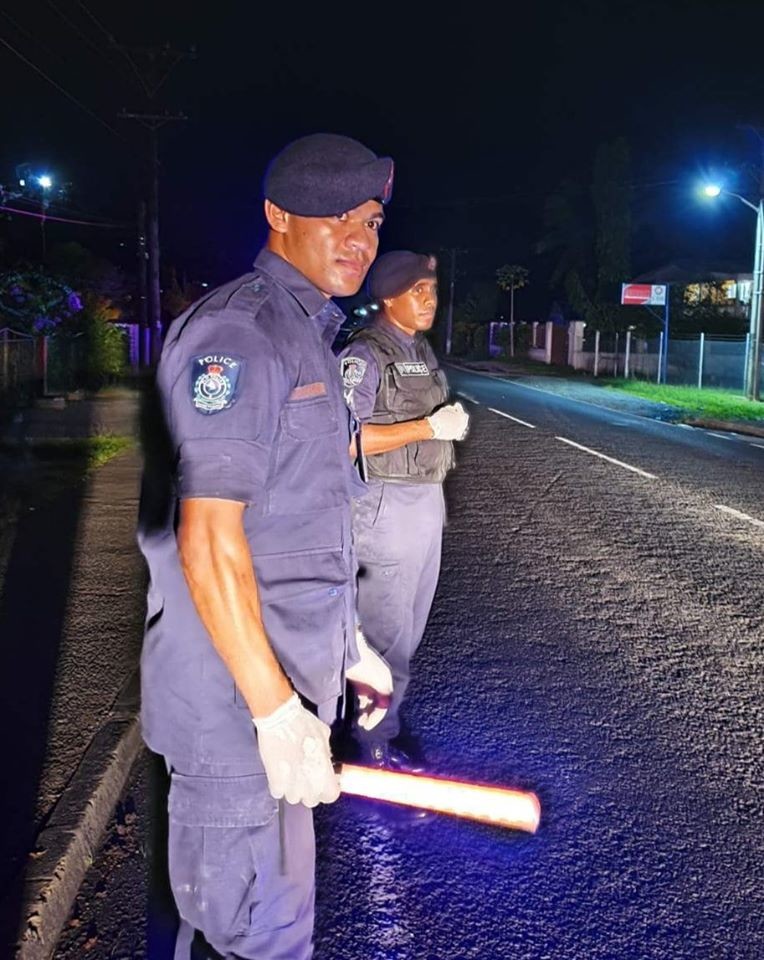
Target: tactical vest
[408, 390]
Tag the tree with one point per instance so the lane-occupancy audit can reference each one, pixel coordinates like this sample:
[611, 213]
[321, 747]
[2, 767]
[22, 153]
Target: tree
[511, 277]
[175, 297]
[75, 301]
[591, 235]
[35, 302]
[472, 316]
[704, 308]
[105, 348]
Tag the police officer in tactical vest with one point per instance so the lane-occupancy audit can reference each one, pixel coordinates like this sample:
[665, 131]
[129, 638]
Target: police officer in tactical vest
[397, 390]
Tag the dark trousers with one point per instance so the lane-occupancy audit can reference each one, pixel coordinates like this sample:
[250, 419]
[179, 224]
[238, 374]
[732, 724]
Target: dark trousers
[397, 530]
[242, 870]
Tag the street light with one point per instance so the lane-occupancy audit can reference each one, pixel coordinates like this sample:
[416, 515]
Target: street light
[45, 181]
[753, 353]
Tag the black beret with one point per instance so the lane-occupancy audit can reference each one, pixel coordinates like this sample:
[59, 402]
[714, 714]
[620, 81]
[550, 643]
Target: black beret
[324, 174]
[394, 273]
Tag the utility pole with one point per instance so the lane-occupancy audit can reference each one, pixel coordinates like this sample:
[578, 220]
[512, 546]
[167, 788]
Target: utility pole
[156, 64]
[144, 358]
[154, 302]
[757, 282]
[757, 304]
[450, 314]
[753, 353]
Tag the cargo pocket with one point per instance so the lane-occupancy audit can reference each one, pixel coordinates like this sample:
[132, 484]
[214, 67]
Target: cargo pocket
[380, 602]
[225, 857]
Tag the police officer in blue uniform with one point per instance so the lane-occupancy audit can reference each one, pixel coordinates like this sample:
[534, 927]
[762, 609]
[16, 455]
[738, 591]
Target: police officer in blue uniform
[399, 393]
[251, 611]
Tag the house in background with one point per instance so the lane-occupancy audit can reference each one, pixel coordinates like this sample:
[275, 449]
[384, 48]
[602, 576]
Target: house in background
[722, 285]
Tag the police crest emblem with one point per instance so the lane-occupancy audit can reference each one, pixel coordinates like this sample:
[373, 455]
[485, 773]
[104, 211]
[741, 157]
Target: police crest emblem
[213, 382]
[353, 370]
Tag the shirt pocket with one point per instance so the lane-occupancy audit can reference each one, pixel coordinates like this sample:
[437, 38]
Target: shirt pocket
[306, 420]
[311, 460]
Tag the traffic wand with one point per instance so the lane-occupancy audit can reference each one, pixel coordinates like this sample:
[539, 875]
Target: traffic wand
[515, 809]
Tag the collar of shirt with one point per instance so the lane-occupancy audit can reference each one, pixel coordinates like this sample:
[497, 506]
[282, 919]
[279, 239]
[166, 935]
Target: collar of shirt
[325, 313]
[400, 336]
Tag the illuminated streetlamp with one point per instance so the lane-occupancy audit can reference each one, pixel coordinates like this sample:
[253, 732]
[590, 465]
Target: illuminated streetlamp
[753, 353]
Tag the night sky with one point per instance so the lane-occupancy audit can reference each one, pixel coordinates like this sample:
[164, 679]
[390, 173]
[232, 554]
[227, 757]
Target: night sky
[484, 113]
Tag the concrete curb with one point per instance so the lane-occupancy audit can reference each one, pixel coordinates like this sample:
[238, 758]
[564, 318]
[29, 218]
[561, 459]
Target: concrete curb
[729, 426]
[67, 845]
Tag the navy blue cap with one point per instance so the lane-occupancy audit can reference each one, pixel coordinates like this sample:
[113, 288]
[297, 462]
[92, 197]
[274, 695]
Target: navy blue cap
[325, 174]
[394, 273]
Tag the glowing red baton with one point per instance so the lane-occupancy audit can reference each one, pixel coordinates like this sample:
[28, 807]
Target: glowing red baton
[495, 805]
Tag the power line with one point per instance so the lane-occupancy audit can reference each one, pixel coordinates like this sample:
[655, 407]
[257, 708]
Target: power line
[84, 223]
[30, 36]
[60, 89]
[61, 208]
[97, 22]
[116, 46]
[84, 37]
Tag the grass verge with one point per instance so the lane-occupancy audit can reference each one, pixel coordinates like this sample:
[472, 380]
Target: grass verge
[711, 404]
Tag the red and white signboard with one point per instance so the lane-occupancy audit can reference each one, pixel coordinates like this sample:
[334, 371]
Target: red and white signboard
[643, 294]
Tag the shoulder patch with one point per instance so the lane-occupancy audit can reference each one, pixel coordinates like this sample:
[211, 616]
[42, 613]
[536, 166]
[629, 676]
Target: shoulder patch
[353, 370]
[215, 377]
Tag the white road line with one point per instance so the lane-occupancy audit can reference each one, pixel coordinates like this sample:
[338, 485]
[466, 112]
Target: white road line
[602, 456]
[467, 397]
[739, 515]
[721, 436]
[759, 445]
[510, 417]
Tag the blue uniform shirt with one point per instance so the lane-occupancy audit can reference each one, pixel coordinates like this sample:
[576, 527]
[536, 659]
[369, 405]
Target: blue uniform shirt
[255, 412]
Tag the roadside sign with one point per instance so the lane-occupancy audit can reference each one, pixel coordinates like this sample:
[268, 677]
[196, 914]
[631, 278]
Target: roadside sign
[643, 294]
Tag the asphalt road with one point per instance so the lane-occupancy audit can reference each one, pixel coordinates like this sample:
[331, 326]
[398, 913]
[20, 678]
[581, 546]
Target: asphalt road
[597, 636]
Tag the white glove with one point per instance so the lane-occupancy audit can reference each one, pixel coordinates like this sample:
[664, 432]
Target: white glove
[294, 746]
[373, 683]
[449, 423]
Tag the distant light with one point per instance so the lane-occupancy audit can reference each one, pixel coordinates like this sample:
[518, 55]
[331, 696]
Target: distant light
[22, 183]
[205, 284]
[712, 190]
[45, 181]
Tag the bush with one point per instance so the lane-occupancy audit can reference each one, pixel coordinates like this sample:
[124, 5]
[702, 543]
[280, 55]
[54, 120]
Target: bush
[105, 352]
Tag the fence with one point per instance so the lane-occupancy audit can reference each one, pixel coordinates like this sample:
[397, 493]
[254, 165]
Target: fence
[39, 366]
[708, 362]
[699, 361]
[18, 367]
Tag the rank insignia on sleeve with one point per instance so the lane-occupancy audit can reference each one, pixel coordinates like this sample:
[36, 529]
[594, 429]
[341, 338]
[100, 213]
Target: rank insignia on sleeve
[214, 378]
[353, 370]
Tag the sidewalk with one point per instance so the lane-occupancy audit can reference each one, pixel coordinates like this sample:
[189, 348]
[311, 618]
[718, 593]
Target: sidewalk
[114, 410]
[589, 391]
[71, 613]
